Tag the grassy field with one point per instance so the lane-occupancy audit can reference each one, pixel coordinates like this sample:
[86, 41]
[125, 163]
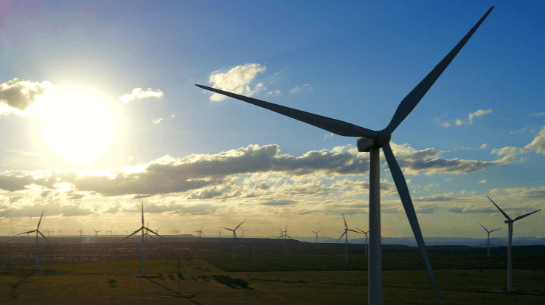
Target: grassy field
[275, 279]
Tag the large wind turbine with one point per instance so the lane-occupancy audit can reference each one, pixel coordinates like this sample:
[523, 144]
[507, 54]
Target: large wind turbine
[371, 141]
[37, 245]
[488, 239]
[345, 234]
[143, 228]
[316, 234]
[200, 232]
[234, 237]
[509, 223]
[96, 232]
[284, 235]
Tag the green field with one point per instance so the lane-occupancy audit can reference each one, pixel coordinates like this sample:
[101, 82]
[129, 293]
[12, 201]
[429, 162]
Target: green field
[277, 279]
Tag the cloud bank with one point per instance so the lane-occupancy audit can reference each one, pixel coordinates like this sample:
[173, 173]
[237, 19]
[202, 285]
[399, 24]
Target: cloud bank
[138, 94]
[236, 80]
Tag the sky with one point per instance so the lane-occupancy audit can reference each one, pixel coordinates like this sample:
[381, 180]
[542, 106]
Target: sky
[99, 113]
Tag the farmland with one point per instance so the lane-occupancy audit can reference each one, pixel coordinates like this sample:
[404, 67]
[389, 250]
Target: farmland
[203, 272]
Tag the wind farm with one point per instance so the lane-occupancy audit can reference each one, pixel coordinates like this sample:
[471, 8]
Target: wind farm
[386, 122]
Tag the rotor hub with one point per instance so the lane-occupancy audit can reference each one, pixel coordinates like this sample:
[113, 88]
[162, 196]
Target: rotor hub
[365, 144]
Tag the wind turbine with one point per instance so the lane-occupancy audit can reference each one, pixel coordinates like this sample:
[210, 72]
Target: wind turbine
[96, 232]
[284, 235]
[243, 232]
[219, 233]
[110, 232]
[37, 244]
[143, 228]
[316, 234]
[200, 232]
[60, 232]
[488, 240]
[366, 240]
[509, 223]
[80, 231]
[345, 234]
[234, 236]
[371, 141]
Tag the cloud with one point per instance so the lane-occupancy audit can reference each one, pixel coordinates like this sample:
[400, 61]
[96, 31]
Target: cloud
[538, 144]
[538, 114]
[443, 197]
[483, 146]
[138, 94]
[157, 121]
[303, 88]
[236, 80]
[277, 92]
[472, 116]
[17, 96]
[482, 181]
[279, 202]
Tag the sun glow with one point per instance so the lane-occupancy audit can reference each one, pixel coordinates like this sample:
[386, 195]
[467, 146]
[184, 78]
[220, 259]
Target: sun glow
[77, 126]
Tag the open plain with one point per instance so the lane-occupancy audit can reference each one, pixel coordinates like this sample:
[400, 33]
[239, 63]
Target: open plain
[202, 271]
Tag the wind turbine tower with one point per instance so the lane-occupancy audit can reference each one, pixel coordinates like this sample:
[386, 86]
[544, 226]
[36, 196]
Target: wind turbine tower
[371, 141]
[509, 223]
[143, 228]
[37, 244]
[234, 236]
[488, 239]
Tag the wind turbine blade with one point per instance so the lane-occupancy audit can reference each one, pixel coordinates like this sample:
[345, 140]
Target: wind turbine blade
[227, 228]
[345, 225]
[314, 232]
[495, 230]
[520, 217]
[27, 232]
[484, 228]
[154, 233]
[44, 236]
[405, 196]
[240, 224]
[320, 230]
[201, 228]
[142, 214]
[332, 125]
[354, 231]
[37, 228]
[341, 236]
[288, 236]
[414, 97]
[499, 209]
[133, 233]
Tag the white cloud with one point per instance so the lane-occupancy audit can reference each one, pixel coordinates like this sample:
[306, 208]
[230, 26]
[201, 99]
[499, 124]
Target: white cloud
[277, 92]
[472, 116]
[138, 93]
[17, 96]
[329, 135]
[303, 88]
[236, 80]
[445, 124]
[482, 181]
[157, 121]
[538, 114]
[483, 146]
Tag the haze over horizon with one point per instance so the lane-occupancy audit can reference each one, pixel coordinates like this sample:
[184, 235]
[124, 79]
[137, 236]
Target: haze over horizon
[98, 110]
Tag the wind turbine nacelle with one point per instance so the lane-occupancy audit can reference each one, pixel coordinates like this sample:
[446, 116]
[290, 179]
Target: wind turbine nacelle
[364, 144]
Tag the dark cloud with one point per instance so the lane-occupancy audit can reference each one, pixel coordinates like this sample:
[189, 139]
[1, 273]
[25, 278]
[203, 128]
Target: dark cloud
[21, 94]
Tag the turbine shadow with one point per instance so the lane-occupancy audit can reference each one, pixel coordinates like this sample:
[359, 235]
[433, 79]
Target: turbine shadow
[15, 286]
[176, 294]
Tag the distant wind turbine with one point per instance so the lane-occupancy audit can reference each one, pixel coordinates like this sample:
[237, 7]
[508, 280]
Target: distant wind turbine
[37, 244]
[234, 236]
[80, 232]
[243, 232]
[366, 240]
[96, 231]
[488, 239]
[371, 141]
[200, 232]
[509, 223]
[345, 234]
[284, 235]
[143, 228]
[316, 234]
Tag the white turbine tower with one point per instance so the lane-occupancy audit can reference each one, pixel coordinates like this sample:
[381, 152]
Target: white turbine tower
[488, 239]
[316, 234]
[345, 234]
[509, 223]
[37, 244]
[234, 236]
[371, 141]
[143, 228]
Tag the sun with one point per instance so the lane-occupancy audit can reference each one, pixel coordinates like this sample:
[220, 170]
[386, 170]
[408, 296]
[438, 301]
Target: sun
[78, 126]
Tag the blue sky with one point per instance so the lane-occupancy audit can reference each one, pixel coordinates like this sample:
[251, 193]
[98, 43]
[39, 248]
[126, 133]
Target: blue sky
[197, 160]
